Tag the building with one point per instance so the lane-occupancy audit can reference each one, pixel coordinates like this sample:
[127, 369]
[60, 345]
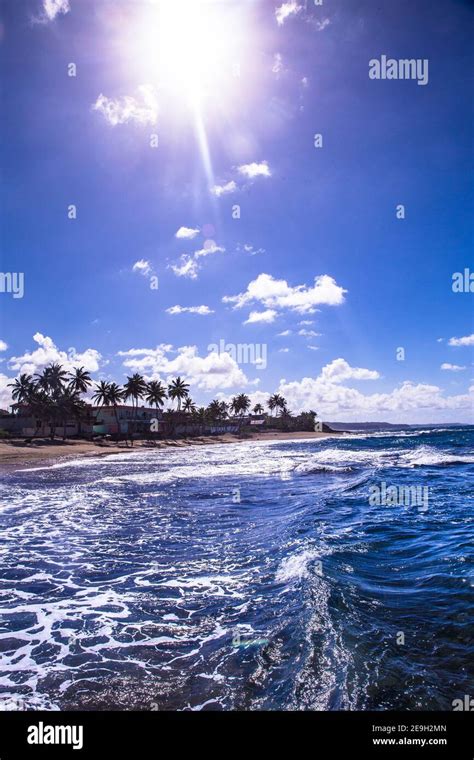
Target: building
[97, 420]
[124, 420]
[131, 420]
[25, 424]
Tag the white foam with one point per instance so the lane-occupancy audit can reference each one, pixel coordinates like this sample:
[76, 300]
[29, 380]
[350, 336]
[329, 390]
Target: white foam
[296, 566]
[428, 456]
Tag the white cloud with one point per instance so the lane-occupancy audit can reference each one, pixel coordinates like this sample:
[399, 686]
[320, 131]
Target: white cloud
[189, 310]
[142, 267]
[248, 248]
[3, 345]
[209, 373]
[309, 333]
[313, 348]
[187, 268]
[306, 322]
[334, 400]
[283, 350]
[5, 392]
[286, 10]
[277, 67]
[47, 352]
[228, 187]
[267, 316]
[209, 248]
[321, 25]
[54, 7]
[255, 170]
[161, 349]
[339, 370]
[122, 110]
[468, 340]
[186, 233]
[452, 367]
[277, 294]
[284, 334]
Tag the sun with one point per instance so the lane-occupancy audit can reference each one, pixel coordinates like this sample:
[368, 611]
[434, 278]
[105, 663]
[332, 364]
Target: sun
[192, 49]
[193, 54]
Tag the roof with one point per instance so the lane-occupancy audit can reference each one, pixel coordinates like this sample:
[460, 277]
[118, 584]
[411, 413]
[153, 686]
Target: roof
[124, 406]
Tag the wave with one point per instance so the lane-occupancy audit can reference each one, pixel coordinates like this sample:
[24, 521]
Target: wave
[414, 433]
[427, 456]
[296, 566]
[312, 469]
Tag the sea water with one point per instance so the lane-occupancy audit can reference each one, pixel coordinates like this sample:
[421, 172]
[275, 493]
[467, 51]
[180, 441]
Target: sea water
[241, 576]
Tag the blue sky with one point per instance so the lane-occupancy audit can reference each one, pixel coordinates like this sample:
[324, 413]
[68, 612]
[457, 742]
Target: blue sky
[233, 94]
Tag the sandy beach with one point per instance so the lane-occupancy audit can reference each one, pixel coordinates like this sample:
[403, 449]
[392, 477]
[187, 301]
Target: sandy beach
[18, 454]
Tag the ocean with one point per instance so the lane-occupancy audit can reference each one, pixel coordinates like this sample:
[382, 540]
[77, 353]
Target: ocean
[334, 574]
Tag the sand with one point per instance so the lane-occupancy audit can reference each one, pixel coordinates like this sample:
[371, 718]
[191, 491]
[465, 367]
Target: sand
[17, 454]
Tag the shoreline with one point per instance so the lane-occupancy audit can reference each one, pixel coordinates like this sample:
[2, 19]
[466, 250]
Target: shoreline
[17, 454]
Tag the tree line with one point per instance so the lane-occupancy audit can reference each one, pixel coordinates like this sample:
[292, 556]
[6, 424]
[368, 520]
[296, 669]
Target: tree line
[54, 397]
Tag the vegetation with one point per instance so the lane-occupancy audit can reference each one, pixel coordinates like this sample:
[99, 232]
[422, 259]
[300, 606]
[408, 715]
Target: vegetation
[53, 397]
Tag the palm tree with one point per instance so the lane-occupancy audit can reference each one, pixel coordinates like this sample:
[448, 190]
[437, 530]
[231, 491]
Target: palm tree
[286, 417]
[189, 405]
[224, 409]
[49, 388]
[178, 389]
[271, 403]
[101, 394]
[214, 410]
[115, 395]
[109, 394]
[280, 402]
[155, 393]
[68, 405]
[234, 405]
[135, 388]
[243, 402]
[25, 391]
[39, 404]
[258, 409]
[201, 414]
[53, 379]
[23, 388]
[80, 380]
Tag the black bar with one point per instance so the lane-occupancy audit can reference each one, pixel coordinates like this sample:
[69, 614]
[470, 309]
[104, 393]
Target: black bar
[154, 734]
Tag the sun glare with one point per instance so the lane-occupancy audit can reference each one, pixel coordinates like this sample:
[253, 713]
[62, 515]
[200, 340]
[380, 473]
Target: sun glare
[194, 53]
[191, 49]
